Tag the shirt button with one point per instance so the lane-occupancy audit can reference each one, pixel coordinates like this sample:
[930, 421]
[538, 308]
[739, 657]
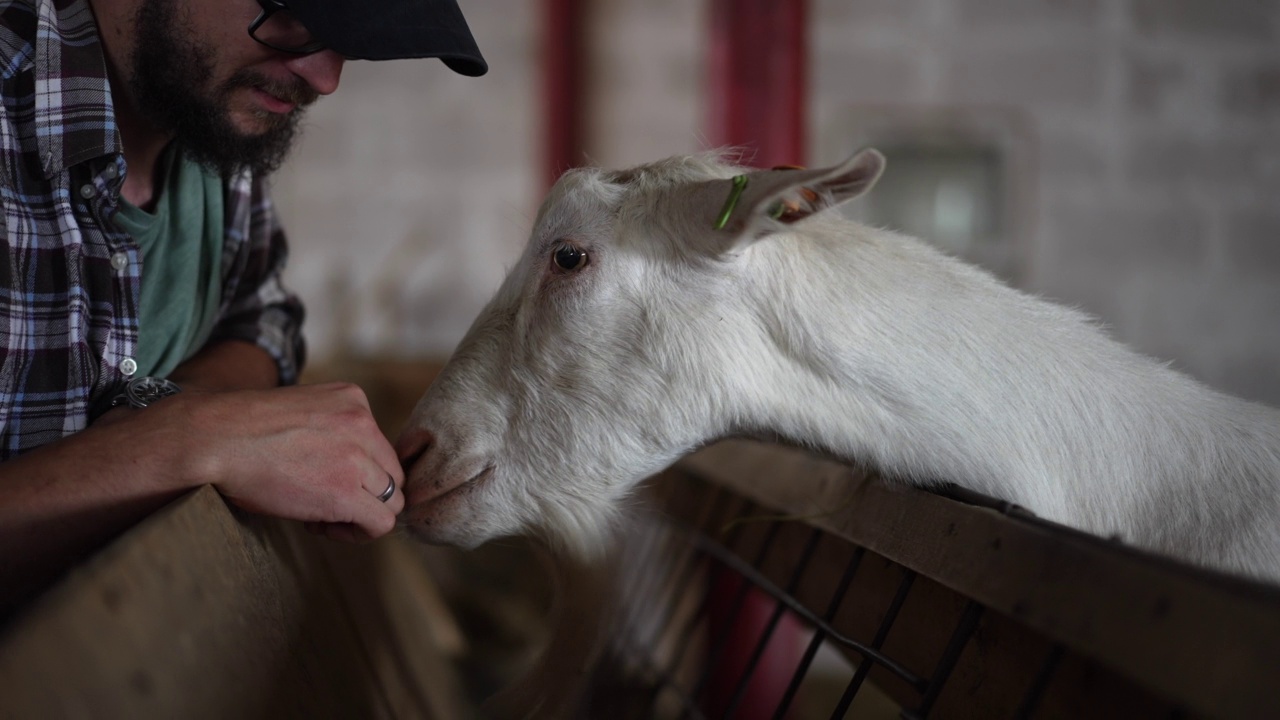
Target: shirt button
[120, 261]
[128, 366]
[110, 171]
[87, 191]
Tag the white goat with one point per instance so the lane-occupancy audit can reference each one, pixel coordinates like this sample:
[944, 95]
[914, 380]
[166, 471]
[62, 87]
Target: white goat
[641, 323]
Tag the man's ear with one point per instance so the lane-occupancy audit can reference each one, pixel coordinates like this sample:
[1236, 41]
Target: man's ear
[759, 203]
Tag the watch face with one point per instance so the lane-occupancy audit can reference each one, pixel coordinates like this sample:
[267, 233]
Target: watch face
[146, 390]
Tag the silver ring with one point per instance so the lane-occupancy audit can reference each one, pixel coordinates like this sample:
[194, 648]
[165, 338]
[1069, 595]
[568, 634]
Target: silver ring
[391, 489]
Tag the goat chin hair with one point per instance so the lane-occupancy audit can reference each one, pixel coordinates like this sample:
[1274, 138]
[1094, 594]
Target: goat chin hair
[593, 624]
[553, 687]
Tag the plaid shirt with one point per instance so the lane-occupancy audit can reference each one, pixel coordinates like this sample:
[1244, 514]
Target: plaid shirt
[69, 289]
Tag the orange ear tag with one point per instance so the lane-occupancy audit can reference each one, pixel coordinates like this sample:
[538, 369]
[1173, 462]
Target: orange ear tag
[789, 211]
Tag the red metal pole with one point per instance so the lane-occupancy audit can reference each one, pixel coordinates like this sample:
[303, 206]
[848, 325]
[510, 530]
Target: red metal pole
[563, 62]
[758, 94]
[758, 60]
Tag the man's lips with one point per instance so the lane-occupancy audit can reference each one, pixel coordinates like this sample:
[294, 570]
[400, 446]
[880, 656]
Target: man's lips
[271, 103]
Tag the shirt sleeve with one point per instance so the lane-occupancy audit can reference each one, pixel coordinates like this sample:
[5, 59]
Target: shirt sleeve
[256, 306]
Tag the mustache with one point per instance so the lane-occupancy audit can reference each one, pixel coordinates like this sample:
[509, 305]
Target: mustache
[298, 92]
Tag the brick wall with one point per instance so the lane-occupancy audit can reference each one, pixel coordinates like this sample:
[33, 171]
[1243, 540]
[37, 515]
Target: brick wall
[412, 191]
[1143, 138]
[1148, 151]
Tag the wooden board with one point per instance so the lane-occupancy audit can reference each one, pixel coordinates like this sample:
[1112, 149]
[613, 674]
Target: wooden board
[197, 613]
[1201, 639]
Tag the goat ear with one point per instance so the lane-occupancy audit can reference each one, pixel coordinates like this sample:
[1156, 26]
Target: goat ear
[763, 202]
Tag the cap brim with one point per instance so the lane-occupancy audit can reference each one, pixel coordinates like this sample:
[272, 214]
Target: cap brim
[393, 29]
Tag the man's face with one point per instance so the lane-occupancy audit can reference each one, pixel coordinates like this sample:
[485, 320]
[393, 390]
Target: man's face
[232, 102]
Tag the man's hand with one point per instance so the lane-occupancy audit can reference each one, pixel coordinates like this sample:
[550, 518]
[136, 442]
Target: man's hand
[238, 365]
[311, 453]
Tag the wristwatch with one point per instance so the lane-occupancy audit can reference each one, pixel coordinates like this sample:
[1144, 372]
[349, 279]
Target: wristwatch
[142, 391]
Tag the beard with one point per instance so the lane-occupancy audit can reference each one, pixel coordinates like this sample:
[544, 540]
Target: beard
[172, 85]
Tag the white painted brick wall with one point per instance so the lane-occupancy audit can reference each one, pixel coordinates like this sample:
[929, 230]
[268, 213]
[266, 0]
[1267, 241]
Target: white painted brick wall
[412, 191]
[1148, 134]
[1155, 143]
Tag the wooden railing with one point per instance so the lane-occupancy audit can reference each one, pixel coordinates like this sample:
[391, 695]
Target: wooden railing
[948, 608]
[945, 607]
[201, 613]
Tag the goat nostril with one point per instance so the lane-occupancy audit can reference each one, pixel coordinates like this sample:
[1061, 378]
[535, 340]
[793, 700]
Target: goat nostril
[412, 444]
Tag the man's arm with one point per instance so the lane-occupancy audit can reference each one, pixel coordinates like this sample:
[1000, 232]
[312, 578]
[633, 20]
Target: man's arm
[228, 365]
[310, 453]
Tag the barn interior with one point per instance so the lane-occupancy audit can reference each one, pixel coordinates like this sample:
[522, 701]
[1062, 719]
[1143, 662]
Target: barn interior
[1117, 157]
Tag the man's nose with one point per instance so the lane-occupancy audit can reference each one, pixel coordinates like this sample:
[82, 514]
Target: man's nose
[320, 69]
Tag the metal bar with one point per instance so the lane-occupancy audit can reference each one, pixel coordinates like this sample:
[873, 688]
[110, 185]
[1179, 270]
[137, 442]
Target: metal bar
[805, 556]
[689, 562]
[685, 640]
[819, 636]
[964, 629]
[721, 637]
[737, 564]
[882, 632]
[1038, 685]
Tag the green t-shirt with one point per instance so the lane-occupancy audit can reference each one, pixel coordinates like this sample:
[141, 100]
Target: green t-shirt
[181, 247]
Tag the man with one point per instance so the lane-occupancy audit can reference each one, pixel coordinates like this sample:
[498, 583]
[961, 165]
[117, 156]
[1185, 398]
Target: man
[144, 331]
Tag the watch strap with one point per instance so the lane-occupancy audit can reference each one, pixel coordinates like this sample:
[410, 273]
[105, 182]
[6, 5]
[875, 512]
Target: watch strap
[142, 391]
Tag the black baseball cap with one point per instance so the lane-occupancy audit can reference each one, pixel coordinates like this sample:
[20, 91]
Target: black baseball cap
[393, 29]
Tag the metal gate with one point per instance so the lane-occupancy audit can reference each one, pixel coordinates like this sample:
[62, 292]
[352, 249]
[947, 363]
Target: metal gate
[942, 604]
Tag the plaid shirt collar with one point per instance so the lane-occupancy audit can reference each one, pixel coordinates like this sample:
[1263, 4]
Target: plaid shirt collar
[70, 58]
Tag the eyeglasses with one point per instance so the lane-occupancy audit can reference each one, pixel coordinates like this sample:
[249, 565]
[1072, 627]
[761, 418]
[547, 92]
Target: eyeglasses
[277, 28]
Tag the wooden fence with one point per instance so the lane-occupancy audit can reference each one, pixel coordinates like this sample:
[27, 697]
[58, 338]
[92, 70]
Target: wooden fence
[946, 608]
[201, 613]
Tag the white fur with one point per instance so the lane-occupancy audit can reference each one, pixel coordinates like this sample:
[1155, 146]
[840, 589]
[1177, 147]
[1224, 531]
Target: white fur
[868, 345]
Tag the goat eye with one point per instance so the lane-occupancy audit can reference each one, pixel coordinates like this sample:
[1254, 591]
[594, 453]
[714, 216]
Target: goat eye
[568, 257]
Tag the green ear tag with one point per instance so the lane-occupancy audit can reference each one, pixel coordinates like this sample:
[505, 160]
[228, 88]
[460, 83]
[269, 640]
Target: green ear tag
[739, 184]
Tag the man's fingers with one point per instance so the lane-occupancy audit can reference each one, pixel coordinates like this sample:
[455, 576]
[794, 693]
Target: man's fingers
[395, 503]
[376, 479]
[345, 532]
[372, 516]
[377, 484]
[313, 453]
[384, 456]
